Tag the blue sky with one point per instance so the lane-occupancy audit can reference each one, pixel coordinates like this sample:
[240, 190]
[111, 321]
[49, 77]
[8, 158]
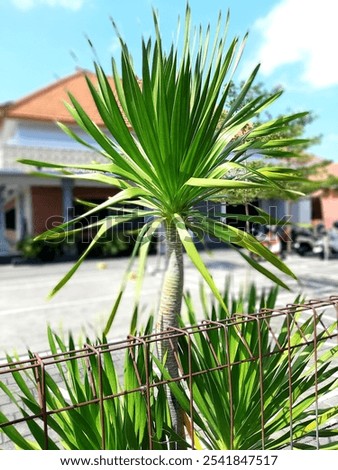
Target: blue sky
[294, 40]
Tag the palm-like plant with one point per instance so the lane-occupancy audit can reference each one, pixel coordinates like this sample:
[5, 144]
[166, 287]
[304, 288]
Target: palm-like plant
[183, 150]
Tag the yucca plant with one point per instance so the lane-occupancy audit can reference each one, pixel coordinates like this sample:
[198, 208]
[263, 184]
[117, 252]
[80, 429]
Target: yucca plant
[182, 150]
[231, 409]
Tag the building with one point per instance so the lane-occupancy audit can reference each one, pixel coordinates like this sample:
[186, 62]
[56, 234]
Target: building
[325, 201]
[29, 204]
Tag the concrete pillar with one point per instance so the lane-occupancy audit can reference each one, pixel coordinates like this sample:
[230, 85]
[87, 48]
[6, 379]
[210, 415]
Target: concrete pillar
[4, 245]
[28, 209]
[67, 186]
[21, 221]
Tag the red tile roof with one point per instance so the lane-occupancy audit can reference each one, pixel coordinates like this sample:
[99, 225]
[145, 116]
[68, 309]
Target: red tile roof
[332, 169]
[47, 104]
[328, 170]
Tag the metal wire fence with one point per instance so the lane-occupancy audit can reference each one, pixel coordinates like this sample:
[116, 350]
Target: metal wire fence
[244, 356]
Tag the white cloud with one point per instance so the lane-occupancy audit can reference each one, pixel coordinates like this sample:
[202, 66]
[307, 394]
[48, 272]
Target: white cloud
[23, 4]
[305, 32]
[115, 46]
[29, 4]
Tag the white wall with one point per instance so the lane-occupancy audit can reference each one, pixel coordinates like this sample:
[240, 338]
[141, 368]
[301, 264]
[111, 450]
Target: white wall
[39, 134]
[300, 210]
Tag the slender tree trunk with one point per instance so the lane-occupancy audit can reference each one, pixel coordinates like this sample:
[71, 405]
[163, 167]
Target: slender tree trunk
[169, 310]
[247, 213]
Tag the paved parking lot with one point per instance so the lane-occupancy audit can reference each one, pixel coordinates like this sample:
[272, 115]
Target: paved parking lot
[83, 305]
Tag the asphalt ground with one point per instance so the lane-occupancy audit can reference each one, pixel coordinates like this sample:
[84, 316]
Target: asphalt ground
[84, 303]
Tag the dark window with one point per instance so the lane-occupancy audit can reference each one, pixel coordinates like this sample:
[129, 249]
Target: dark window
[10, 219]
[317, 213]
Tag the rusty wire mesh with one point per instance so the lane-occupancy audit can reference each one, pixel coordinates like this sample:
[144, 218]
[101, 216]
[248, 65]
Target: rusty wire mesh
[325, 333]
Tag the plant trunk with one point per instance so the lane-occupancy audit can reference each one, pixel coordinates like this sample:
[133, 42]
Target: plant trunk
[247, 213]
[169, 311]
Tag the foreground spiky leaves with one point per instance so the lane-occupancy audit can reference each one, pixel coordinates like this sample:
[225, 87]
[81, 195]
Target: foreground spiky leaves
[254, 408]
[73, 385]
[274, 393]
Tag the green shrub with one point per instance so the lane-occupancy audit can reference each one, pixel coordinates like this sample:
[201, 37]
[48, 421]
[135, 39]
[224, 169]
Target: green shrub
[238, 384]
[125, 416]
[117, 244]
[40, 250]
